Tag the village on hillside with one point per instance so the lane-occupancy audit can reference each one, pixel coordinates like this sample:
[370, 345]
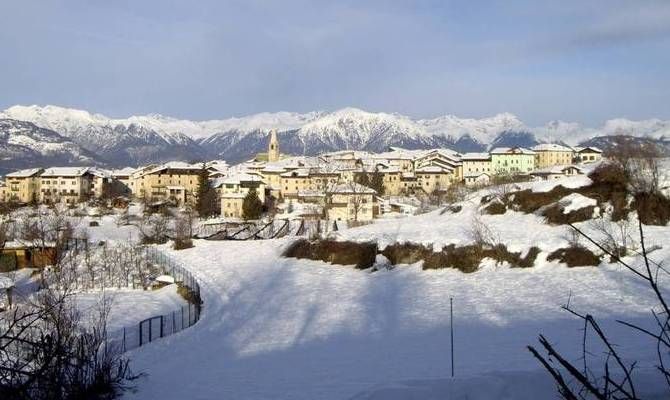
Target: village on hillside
[347, 185]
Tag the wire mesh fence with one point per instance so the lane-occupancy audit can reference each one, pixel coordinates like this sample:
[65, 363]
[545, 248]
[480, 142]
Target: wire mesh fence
[159, 326]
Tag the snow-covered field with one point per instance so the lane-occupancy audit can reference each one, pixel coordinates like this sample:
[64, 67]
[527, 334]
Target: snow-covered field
[129, 307]
[276, 328]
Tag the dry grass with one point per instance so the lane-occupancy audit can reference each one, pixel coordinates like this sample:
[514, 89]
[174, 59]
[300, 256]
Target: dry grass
[575, 256]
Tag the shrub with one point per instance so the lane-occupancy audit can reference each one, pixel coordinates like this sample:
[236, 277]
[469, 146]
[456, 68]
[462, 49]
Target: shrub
[495, 208]
[575, 256]
[529, 201]
[465, 258]
[554, 215]
[181, 244]
[501, 254]
[610, 174]
[362, 255]
[652, 208]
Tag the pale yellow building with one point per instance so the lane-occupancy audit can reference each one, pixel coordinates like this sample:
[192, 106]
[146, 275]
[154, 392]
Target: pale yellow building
[477, 168]
[587, 155]
[175, 182]
[23, 186]
[233, 191]
[350, 202]
[432, 178]
[70, 185]
[550, 154]
[392, 179]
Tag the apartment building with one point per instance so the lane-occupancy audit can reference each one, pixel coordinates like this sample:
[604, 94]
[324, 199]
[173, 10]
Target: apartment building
[587, 155]
[350, 202]
[477, 168]
[68, 185]
[512, 161]
[235, 188]
[175, 182]
[23, 186]
[550, 154]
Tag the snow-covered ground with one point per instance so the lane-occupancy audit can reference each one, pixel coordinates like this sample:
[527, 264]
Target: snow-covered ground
[129, 307]
[277, 328]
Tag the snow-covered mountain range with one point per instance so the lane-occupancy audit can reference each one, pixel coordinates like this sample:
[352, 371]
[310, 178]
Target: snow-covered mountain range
[154, 138]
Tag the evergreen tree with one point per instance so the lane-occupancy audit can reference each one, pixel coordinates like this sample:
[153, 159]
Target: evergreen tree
[377, 182]
[363, 179]
[252, 207]
[206, 195]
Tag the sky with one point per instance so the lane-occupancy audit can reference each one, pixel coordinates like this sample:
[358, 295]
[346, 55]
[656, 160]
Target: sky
[574, 60]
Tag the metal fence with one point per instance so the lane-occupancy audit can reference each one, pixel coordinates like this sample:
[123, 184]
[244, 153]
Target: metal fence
[159, 326]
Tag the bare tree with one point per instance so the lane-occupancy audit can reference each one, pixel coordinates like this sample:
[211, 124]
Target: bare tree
[154, 228]
[183, 231]
[47, 349]
[614, 379]
[615, 236]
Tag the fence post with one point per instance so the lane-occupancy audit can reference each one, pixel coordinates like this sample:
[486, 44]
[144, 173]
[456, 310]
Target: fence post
[124, 339]
[161, 326]
[182, 317]
[189, 314]
[451, 325]
[140, 325]
[174, 323]
[150, 323]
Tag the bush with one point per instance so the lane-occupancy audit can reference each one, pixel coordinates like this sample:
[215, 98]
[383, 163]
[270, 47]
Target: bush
[465, 258]
[575, 256]
[181, 244]
[610, 174]
[554, 215]
[362, 255]
[652, 208]
[495, 208]
[528, 201]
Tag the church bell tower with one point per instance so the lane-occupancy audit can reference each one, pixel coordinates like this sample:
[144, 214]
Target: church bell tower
[273, 147]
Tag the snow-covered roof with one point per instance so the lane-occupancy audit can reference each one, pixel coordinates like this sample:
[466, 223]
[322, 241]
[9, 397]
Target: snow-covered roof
[241, 177]
[512, 150]
[310, 193]
[580, 149]
[175, 165]
[65, 171]
[165, 279]
[298, 173]
[353, 188]
[555, 169]
[476, 157]
[433, 169]
[476, 174]
[99, 172]
[127, 171]
[273, 168]
[24, 173]
[551, 147]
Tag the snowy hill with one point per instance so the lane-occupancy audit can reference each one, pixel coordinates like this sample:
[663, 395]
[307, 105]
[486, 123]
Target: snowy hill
[23, 145]
[307, 329]
[123, 142]
[153, 138]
